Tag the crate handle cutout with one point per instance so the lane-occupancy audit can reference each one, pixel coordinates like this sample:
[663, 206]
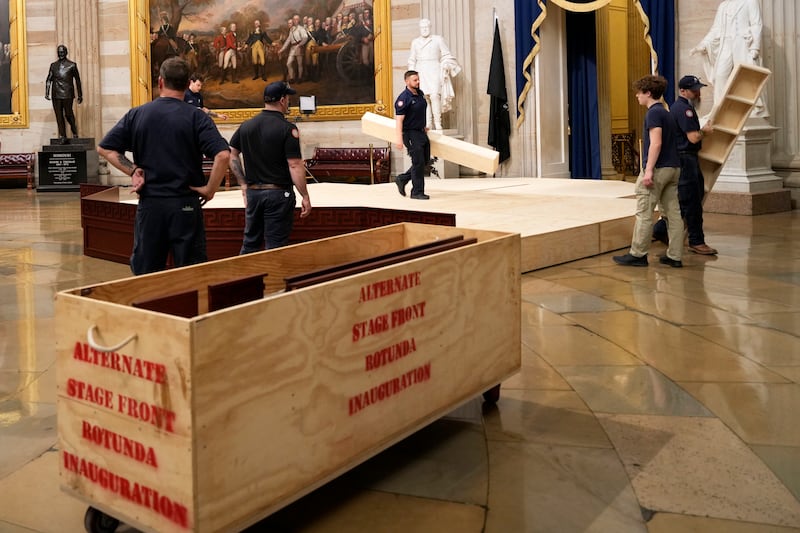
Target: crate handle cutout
[95, 346]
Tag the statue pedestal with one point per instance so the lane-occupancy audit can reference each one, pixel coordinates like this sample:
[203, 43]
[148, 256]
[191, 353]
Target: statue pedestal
[747, 185]
[63, 167]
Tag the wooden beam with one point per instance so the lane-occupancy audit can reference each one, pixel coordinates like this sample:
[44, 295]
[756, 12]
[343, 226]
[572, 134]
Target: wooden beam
[444, 147]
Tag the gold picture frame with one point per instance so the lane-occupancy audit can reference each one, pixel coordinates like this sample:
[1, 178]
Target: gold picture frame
[142, 82]
[13, 69]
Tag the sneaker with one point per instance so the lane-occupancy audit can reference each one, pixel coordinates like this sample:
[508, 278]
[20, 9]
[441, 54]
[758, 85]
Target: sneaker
[401, 185]
[674, 263]
[421, 196]
[631, 260]
[702, 249]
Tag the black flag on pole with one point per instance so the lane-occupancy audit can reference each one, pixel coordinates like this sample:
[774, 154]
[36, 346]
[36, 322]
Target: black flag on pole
[499, 121]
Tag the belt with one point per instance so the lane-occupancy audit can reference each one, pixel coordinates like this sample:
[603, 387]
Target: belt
[687, 152]
[268, 187]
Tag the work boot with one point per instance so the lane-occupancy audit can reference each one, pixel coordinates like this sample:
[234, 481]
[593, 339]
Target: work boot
[631, 260]
[666, 260]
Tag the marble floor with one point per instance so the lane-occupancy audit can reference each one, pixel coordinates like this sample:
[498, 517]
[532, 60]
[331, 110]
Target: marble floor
[650, 399]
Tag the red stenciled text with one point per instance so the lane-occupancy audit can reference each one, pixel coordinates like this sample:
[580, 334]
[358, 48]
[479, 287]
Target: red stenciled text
[385, 287]
[81, 390]
[119, 444]
[390, 354]
[143, 411]
[389, 388]
[147, 412]
[126, 364]
[387, 321]
[141, 495]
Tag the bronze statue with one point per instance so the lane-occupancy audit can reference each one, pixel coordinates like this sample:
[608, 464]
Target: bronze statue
[65, 81]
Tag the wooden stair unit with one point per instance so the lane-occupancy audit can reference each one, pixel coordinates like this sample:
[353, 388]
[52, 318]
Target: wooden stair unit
[728, 118]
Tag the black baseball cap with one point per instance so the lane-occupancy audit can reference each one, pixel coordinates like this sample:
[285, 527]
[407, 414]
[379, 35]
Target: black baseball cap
[692, 83]
[277, 90]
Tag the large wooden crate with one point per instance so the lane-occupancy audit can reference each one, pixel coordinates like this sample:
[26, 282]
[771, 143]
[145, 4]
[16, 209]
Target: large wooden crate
[212, 422]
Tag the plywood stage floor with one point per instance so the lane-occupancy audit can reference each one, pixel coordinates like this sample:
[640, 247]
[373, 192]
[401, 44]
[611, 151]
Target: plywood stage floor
[559, 220]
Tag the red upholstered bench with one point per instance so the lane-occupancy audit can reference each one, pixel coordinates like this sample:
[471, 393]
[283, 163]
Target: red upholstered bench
[17, 168]
[351, 164]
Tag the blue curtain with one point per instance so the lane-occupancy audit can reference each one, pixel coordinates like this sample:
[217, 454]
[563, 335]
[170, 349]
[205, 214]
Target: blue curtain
[525, 13]
[662, 32]
[583, 104]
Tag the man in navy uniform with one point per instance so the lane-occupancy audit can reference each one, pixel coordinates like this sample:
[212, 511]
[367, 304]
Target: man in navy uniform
[410, 110]
[691, 185]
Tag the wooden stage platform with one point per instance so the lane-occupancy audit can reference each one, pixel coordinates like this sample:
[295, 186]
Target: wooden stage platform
[559, 220]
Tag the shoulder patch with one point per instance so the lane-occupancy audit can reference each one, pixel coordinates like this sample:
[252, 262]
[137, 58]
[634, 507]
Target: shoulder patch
[689, 113]
[399, 103]
[295, 133]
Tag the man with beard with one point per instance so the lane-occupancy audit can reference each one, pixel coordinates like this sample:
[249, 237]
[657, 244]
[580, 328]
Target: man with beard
[691, 184]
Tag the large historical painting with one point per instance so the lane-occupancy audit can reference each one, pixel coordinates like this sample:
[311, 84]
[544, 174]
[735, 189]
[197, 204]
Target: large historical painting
[13, 74]
[328, 49]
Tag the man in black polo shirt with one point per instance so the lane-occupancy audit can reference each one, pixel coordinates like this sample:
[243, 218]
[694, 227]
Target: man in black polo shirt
[168, 138]
[193, 96]
[410, 109]
[691, 186]
[272, 164]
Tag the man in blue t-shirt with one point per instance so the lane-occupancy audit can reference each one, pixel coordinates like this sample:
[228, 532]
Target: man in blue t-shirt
[168, 139]
[658, 181]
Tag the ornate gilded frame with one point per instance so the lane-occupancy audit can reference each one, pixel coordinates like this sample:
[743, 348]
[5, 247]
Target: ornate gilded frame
[139, 18]
[19, 70]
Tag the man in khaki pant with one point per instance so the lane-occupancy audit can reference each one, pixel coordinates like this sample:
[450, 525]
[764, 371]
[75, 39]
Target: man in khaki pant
[658, 182]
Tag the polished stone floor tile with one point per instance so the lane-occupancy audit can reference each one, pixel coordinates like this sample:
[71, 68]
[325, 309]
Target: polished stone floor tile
[672, 523]
[675, 309]
[32, 499]
[27, 429]
[760, 413]
[539, 488]
[339, 510]
[785, 462]
[532, 315]
[654, 399]
[638, 390]
[675, 352]
[570, 302]
[574, 345]
[535, 374]
[446, 460]
[673, 469]
[786, 322]
[766, 346]
[545, 417]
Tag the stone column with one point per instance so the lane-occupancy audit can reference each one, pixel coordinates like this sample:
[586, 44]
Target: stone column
[603, 94]
[452, 19]
[76, 28]
[779, 49]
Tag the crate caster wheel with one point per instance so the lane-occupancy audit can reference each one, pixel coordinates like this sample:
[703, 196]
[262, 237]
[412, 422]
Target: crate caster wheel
[492, 395]
[98, 522]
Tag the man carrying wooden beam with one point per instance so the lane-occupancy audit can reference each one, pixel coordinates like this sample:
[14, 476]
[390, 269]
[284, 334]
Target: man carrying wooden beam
[410, 111]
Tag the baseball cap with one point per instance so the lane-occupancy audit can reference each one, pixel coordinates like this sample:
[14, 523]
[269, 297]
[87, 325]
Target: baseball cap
[692, 83]
[277, 90]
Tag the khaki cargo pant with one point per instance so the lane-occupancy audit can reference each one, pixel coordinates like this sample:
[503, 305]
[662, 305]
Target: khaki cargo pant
[664, 192]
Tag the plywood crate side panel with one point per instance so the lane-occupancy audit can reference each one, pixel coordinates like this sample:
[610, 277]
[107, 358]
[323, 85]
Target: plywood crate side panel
[138, 396]
[294, 405]
[145, 477]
